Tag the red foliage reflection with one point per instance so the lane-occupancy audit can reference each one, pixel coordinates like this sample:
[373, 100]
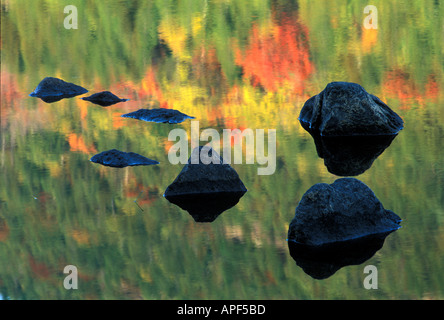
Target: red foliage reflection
[279, 57]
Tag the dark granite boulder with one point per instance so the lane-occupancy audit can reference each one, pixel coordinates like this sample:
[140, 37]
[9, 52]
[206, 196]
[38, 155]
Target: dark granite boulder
[200, 178]
[205, 189]
[346, 109]
[160, 115]
[342, 211]
[53, 89]
[120, 159]
[104, 98]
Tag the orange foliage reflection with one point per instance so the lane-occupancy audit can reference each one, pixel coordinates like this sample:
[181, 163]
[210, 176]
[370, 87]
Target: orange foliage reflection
[400, 85]
[277, 58]
[369, 39]
[143, 195]
[77, 143]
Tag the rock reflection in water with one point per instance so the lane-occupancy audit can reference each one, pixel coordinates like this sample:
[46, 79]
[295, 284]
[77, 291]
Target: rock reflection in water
[352, 155]
[321, 262]
[206, 207]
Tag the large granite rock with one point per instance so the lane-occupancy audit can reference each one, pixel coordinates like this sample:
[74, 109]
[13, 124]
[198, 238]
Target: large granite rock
[346, 109]
[104, 98]
[53, 89]
[342, 211]
[159, 115]
[119, 159]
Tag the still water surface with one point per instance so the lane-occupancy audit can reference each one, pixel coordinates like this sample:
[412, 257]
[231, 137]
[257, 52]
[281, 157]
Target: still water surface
[230, 64]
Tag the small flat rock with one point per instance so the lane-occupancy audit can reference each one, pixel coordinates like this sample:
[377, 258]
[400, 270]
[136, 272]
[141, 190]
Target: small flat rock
[120, 159]
[159, 115]
[346, 109]
[53, 89]
[104, 98]
[344, 210]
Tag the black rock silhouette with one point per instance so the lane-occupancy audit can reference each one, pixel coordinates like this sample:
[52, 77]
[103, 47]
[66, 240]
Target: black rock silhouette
[352, 155]
[120, 159]
[346, 109]
[160, 115]
[104, 98]
[199, 178]
[345, 210]
[53, 89]
[205, 190]
[321, 262]
[206, 207]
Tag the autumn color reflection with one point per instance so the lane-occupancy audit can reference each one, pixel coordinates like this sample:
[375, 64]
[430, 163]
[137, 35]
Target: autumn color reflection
[278, 55]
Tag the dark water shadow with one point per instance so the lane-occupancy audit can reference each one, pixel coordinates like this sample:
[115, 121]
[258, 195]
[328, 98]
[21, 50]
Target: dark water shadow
[321, 262]
[349, 155]
[206, 207]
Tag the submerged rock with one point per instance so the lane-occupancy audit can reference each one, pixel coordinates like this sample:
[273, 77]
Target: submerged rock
[53, 89]
[104, 98]
[200, 178]
[346, 109]
[205, 190]
[120, 159]
[160, 115]
[350, 156]
[321, 262]
[344, 210]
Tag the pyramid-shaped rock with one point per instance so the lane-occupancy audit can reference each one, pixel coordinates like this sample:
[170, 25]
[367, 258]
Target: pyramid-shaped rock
[200, 178]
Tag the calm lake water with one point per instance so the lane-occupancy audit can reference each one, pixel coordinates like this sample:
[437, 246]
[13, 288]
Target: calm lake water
[230, 64]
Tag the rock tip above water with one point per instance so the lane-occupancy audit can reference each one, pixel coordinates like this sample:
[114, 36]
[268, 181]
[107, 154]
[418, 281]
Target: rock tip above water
[119, 159]
[104, 98]
[53, 87]
[159, 115]
[200, 178]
